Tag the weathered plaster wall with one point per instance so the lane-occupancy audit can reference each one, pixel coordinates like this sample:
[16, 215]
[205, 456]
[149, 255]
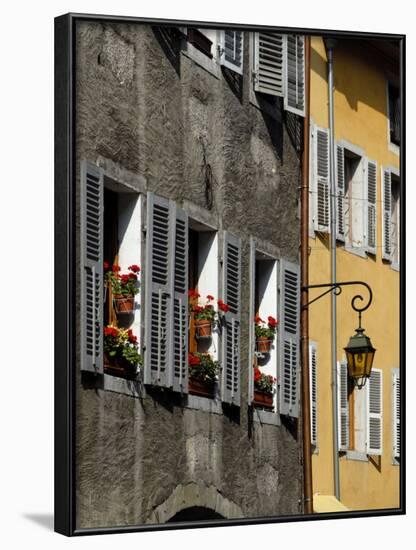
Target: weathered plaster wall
[152, 113]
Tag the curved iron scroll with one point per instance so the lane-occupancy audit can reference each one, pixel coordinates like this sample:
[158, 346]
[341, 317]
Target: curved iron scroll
[337, 288]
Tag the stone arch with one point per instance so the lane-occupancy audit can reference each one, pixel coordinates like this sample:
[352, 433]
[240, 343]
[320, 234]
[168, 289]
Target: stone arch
[191, 496]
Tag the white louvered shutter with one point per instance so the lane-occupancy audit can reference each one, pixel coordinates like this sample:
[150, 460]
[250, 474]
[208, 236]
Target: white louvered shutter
[386, 221]
[340, 194]
[231, 327]
[251, 347]
[180, 303]
[159, 288]
[232, 50]
[321, 177]
[295, 74]
[313, 374]
[375, 413]
[371, 207]
[92, 278]
[396, 414]
[269, 63]
[289, 338]
[343, 410]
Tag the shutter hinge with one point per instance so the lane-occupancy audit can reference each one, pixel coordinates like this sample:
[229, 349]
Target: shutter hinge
[144, 229]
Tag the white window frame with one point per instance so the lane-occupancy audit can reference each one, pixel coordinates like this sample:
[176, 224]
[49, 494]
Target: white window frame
[210, 64]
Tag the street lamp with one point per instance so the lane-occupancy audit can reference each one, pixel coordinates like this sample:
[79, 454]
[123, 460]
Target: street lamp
[360, 356]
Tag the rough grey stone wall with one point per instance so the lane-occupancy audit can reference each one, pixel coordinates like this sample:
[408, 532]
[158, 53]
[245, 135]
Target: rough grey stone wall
[152, 111]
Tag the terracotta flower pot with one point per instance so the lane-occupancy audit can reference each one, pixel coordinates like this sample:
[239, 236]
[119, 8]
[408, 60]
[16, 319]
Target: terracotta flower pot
[124, 304]
[203, 327]
[263, 399]
[263, 344]
[198, 387]
[118, 366]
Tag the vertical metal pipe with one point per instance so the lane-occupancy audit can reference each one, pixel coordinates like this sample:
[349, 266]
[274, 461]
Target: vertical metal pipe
[330, 46]
[304, 273]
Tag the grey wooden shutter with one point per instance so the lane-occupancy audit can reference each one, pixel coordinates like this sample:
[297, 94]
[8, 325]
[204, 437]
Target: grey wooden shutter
[289, 338]
[180, 303]
[159, 287]
[313, 374]
[269, 63]
[92, 279]
[396, 414]
[321, 176]
[375, 413]
[295, 74]
[343, 406]
[386, 221]
[232, 50]
[340, 193]
[371, 207]
[231, 326]
[251, 347]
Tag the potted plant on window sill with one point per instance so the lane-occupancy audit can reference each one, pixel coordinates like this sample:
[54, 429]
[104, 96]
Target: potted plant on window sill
[202, 374]
[264, 389]
[204, 315]
[265, 333]
[121, 355]
[124, 287]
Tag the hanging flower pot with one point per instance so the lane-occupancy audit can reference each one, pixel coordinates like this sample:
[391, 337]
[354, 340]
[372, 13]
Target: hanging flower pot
[121, 355]
[203, 328]
[263, 399]
[263, 344]
[202, 374]
[124, 303]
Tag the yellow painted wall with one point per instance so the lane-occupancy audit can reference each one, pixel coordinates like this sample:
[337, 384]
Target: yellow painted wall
[360, 101]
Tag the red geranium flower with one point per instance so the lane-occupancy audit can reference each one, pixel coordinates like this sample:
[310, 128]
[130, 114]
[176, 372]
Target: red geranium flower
[132, 337]
[135, 268]
[272, 321]
[258, 319]
[110, 331]
[106, 265]
[223, 306]
[210, 298]
[193, 359]
[116, 268]
[193, 293]
[257, 374]
[132, 276]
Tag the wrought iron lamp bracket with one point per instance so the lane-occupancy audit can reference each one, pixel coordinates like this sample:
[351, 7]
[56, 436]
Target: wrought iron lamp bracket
[337, 289]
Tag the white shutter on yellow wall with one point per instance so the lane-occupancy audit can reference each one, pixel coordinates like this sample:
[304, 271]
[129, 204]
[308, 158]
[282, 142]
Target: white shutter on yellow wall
[343, 406]
[269, 63]
[371, 207]
[386, 208]
[321, 179]
[396, 413]
[313, 374]
[375, 413]
[232, 49]
[340, 193]
[92, 280]
[294, 71]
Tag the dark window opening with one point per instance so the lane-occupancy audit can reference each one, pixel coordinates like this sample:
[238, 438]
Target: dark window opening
[195, 513]
[394, 114]
[200, 41]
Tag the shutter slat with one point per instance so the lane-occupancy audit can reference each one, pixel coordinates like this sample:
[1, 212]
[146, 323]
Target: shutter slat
[289, 339]
[386, 221]
[375, 413]
[313, 374]
[321, 177]
[232, 48]
[92, 277]
[159, 278]
[268, 63]
[231, 326]
[343, 406]
[295, 74]
[340, 194]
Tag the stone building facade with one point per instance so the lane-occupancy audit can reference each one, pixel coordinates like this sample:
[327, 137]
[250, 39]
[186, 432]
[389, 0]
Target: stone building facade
[161, 123]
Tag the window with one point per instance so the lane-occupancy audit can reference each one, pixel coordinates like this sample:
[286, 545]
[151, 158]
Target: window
[394, 113]
[110, 231]
[360, 414]
[202, 46]
[391, 216]
[278, 70]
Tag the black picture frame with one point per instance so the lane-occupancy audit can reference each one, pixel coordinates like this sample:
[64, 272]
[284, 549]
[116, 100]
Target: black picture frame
[65, 335]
